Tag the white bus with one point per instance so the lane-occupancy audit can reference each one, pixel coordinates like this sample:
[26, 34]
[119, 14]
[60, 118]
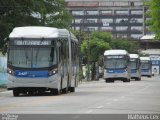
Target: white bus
[135, 66]
[42, 59]
[146, 66]
[117, 65]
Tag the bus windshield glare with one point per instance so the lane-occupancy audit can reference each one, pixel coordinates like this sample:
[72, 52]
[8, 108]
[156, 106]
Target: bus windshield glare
[32, 56]
[115, 62]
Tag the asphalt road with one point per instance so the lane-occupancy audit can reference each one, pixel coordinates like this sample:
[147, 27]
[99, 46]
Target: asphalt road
[96, 97]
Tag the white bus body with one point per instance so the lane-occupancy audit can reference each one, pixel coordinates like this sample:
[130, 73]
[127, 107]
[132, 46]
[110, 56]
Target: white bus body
[42, 59]
[135, 66]
[146, 66]
[116, 65]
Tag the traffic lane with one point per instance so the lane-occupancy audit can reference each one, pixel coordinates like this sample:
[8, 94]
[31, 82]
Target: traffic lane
[145, 99]
[90, 97]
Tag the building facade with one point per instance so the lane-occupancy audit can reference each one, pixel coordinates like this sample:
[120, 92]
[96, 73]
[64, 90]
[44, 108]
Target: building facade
[123, 18]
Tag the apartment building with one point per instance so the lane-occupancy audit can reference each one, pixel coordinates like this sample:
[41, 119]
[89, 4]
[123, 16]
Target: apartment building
[123, 18]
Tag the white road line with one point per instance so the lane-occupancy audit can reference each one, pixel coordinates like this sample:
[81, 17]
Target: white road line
[5, 92]
[90, 111]
[99, 107]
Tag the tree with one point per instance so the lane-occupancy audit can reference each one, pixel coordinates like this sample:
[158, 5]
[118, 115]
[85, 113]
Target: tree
[104, 36]
[94, 48]
[125, 44]
[154, 13]
[15, 13]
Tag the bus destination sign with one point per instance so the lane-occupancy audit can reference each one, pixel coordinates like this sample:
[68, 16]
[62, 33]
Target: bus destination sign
[31, 42]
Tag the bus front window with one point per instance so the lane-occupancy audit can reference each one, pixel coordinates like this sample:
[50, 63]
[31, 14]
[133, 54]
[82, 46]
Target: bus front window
[145, 65]
[32, 57]
[115, 63]
[133, 65]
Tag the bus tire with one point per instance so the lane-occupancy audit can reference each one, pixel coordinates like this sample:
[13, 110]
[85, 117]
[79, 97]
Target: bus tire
[72, 89]
[15, 93]
[109, 80]
[55, 92]
[137, 79]
[149, 76]
[65, 90]
[126, 80]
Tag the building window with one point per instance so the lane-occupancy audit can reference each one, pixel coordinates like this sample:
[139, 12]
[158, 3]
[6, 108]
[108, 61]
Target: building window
[136, 36]
[131, 3]
[136, 28]
[107, 12]
[121, 28]
[136, 12]
[120, 3]
[77, 12]
[106, 29]
[122, 12]
[124, 20]
[92, 12]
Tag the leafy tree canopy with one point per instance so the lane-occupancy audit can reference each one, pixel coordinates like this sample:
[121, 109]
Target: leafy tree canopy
[15, 13]
[125, 44]
[154, 13]
[104, 36]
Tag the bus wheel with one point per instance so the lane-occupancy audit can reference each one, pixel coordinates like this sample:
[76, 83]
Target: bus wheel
[109, 80]
[55, 92]
[15, 93]
[72, 89]
[137, 79]
[149, 76]
[126, 80]
[65, 90]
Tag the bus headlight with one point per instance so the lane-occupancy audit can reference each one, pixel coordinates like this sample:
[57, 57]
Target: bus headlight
[10, 71]
[52, 72]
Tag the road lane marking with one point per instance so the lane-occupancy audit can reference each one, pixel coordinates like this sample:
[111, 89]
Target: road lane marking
[99, 107]
[90, 111]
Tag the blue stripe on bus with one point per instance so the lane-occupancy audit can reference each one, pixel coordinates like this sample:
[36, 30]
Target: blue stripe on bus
[116, 71]
[31, 74]
[133, 70]
[144, 70]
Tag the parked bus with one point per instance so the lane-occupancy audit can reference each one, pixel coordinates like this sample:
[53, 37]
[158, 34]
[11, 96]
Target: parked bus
[135, 66]
[117, 65]
[42, 59]
[146, 66]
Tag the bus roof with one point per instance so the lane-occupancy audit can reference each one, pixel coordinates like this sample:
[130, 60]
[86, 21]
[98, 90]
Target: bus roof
[40, 32]
[145, 58]
[115, 52]
[134, 55]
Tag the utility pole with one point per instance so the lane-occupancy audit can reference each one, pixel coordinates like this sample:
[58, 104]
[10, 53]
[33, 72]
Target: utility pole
[88, 52]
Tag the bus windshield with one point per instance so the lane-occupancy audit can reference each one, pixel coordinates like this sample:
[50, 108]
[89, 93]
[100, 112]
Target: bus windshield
[115, 63]
[145, 65]
[134, 64]
[32, 57]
